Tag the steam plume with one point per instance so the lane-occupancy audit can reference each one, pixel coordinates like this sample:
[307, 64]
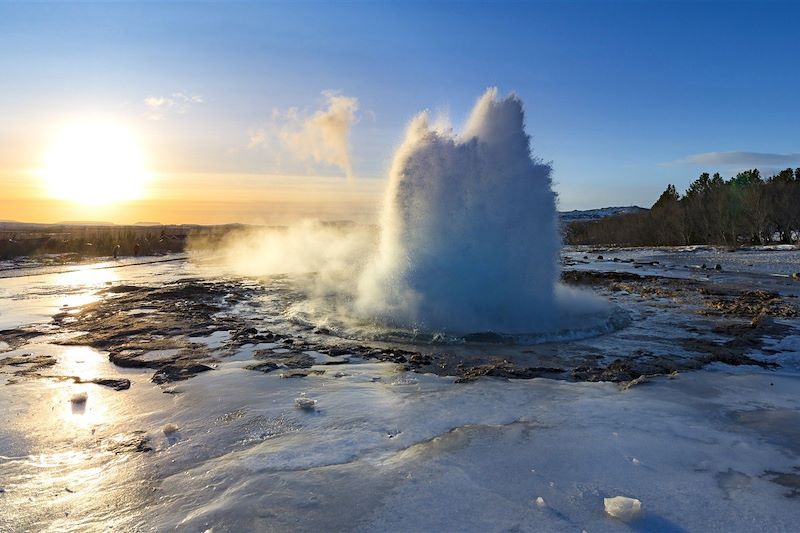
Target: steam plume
[469, 238]
[323, 137]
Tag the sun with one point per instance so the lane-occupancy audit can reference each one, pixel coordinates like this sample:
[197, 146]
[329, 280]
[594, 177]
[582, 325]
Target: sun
[94, 163]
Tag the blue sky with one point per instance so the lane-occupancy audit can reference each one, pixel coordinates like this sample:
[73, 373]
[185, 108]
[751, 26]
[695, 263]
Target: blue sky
[622, 97]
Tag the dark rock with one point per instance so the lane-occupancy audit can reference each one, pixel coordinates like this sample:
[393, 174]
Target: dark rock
[295, 360]
[116, 384]
[129, 360]
[17, 337]
[789, 480]
[138, 442]
[245, 333]
[505, 369]
[749, 304]
[301, 373]
[419, 359]
[36, 362]
[338, 351]
[122, 289]
[578, 277]
[179, 372]
[265, 367]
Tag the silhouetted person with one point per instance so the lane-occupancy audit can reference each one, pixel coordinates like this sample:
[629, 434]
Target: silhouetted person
[116, 251]
[136, 249]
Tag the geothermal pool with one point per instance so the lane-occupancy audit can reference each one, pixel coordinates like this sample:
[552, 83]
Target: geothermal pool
[405, 435]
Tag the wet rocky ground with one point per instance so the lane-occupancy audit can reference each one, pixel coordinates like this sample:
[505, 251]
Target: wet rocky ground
[167, 328]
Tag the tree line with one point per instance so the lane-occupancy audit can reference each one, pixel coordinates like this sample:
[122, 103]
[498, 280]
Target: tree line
[72, 242]
[746, 209]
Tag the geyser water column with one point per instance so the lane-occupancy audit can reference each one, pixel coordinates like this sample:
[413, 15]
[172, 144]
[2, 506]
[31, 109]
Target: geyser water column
[469, 237]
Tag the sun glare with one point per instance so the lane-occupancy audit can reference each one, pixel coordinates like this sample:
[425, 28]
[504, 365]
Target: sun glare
[94, 163]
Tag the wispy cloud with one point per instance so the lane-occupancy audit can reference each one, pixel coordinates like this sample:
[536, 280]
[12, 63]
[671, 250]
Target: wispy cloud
[159, 107]
[321, 137]
[740, 159]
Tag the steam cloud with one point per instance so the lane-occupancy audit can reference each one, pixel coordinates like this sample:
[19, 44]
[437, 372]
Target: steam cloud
[323, 137]
[468, 237]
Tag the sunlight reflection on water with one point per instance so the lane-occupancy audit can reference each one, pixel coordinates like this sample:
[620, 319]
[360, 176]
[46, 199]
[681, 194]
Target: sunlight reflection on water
[83, 285]
[87, 276]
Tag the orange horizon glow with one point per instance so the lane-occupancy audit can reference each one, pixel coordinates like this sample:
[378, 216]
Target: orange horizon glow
[201, 198]
[113, 169]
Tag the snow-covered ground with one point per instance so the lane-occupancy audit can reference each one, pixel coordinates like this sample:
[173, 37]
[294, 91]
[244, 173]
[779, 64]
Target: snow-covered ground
[372, 447]
[778, 260]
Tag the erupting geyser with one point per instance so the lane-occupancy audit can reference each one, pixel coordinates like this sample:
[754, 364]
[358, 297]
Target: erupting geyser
[469, 236]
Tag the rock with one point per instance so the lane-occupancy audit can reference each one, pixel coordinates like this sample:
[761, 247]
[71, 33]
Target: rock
[265, 367]
[718, 267]
[762, 320]
[300, 373]
[504, 369]
[36, 362]
[623, 508]
[750, 303]
[287, 359]
[137, 441]
[306, 404]
[337, 351]
[116, 384]
[796, 276]
[634, 382]
[246, 331]
[789, 480]
[178, 372]
[170, 429]
[703, 266]
[420, 359]
[79, 398]
[599, 257]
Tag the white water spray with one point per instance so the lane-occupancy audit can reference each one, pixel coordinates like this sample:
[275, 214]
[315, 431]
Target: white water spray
[469, 236]
[468, 243]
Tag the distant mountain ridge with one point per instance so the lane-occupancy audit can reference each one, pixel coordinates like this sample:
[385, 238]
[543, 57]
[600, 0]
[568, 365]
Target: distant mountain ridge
[597, 214]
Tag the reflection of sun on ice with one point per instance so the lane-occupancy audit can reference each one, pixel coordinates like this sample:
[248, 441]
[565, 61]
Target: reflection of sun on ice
[80, 286]
[86, 277]
[95, 163]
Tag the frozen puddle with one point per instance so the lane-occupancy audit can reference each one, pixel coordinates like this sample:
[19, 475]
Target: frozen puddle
[707, 451]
